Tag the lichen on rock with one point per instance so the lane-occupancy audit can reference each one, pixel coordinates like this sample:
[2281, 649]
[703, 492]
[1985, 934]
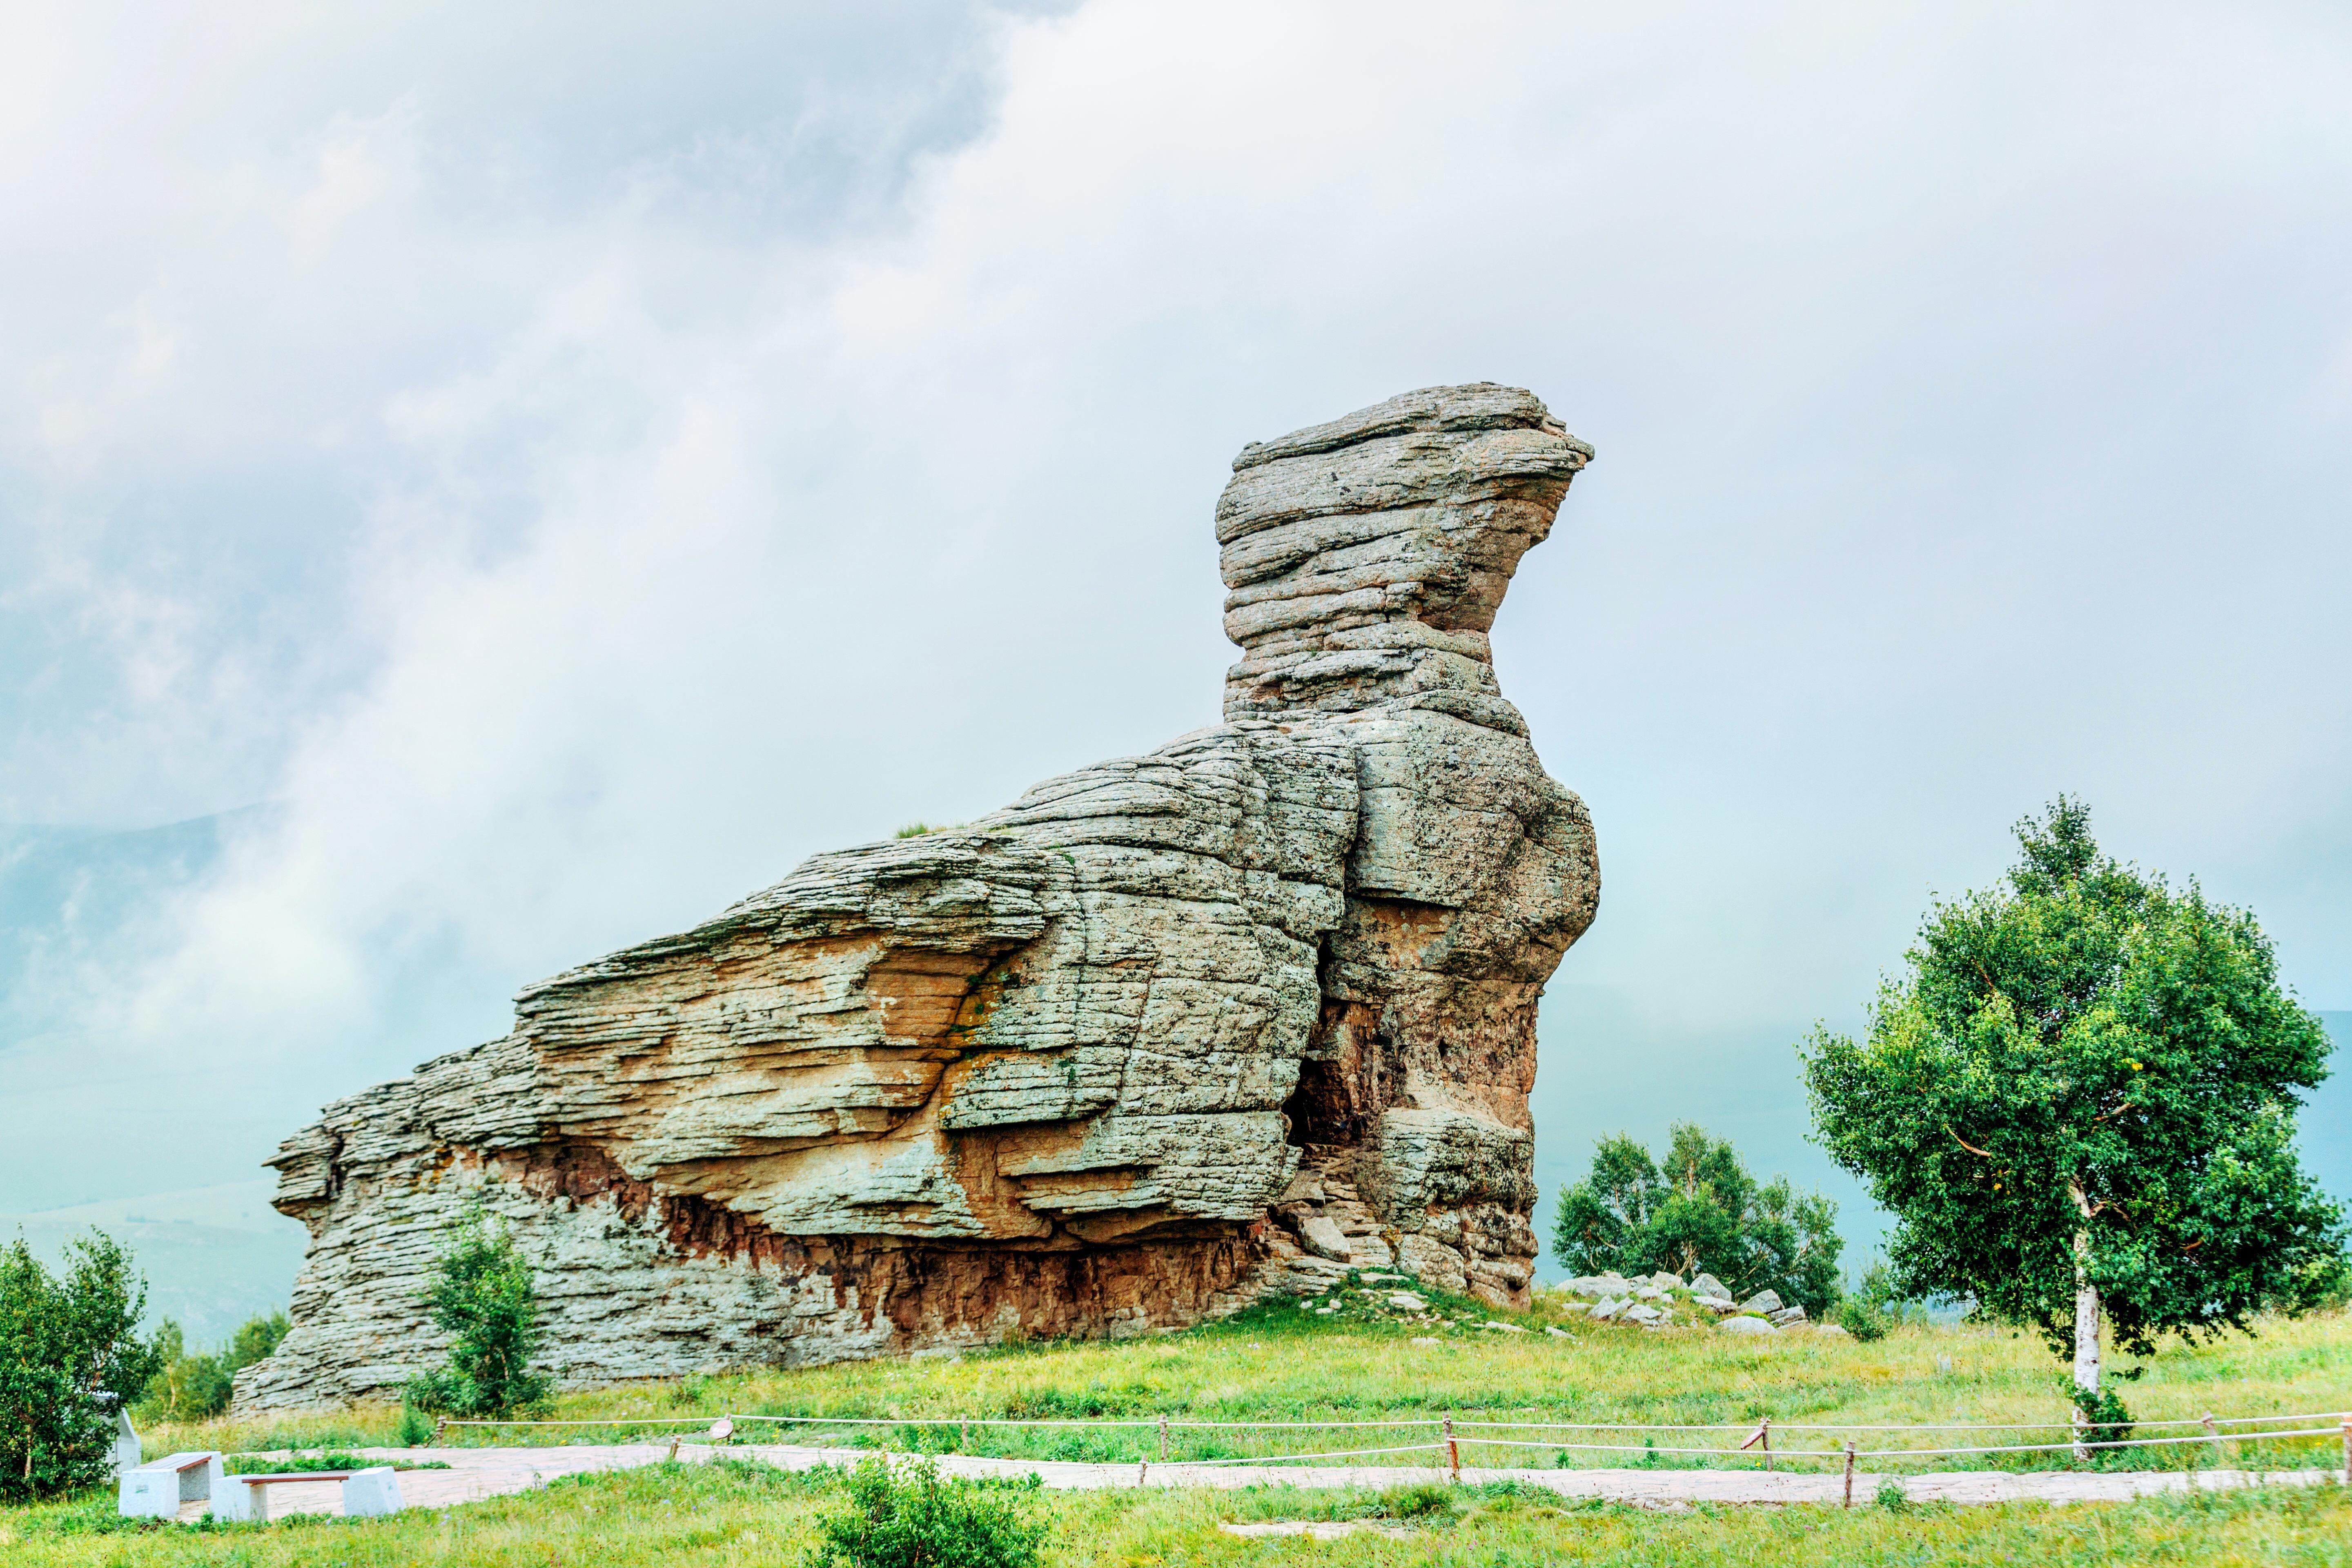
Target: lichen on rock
[1161, 1038]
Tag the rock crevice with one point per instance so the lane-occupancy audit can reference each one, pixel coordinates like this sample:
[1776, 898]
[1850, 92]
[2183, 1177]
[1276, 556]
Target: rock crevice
[1160, 1036]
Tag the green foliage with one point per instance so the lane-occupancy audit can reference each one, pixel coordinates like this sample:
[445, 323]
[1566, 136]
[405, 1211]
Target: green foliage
[192, 1387]
[414, 1428]
[482, 1295]
[1422, 1500]
[327, 1459]
[1876, 1305]
[910, 1516]
[2108, 1420]
[1698, 1210]
[69, 1352]
[1892, 1497]
[2083, 1048]
[256, 1339]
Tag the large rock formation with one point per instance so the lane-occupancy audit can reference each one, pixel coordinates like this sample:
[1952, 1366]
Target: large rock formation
[1158, 1038]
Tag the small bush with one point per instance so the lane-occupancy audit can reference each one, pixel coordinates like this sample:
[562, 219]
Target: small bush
[1423, 1500]
[1864, 1320]
[482, 1293]
[414, 1428]
[910, 1516]
[1892, 1497]
[2109, 1420]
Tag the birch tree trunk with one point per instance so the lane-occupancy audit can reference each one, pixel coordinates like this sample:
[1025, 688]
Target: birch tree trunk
[2086, 1315]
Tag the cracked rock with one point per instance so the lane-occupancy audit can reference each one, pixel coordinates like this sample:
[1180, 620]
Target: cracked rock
[1049, 1072]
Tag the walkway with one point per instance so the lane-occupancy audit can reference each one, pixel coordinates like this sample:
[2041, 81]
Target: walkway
[478, 1473]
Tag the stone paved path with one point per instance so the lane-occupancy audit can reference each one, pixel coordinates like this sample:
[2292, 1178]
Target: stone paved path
[478, 1473]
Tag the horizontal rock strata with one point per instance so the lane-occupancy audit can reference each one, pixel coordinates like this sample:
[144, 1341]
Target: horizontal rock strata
[1160, 1037]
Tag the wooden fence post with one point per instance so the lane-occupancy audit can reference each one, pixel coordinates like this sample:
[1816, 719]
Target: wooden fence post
[1453, 1452]
[2214, 1442]
[1163, 1439]
[1849, 1472]
[2348, 1450]
[1765, 1428]
[440, 1425]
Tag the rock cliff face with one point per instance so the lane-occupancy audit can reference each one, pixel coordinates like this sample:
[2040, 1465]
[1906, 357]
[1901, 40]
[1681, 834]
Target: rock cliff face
[1158, 1038]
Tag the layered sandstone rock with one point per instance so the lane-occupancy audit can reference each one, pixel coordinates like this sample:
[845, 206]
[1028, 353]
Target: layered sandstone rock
[1158, 1037]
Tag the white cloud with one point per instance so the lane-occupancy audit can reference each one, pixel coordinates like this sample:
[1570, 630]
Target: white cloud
[574, 526]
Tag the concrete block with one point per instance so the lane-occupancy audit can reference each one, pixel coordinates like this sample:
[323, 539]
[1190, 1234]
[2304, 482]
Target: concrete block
[156, 1490]
[372, 1491]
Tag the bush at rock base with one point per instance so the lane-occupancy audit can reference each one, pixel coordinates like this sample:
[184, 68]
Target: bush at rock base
[910, 1516]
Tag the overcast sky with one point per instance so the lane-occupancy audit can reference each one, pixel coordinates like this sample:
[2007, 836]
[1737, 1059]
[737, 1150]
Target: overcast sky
[576, 461]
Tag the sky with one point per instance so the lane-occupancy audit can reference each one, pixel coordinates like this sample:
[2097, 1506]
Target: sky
[480, 487]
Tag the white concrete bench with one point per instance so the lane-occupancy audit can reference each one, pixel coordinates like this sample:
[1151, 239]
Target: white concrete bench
[374, 1491]
[156, 1490]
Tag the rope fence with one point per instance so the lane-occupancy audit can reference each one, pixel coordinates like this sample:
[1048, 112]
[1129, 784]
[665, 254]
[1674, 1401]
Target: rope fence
[1449, 1435]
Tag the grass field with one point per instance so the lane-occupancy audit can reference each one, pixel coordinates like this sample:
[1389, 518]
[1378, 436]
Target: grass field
[1278, 1363]
[695, 1515]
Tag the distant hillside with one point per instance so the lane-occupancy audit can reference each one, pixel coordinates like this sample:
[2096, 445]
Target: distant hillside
[213, 1255]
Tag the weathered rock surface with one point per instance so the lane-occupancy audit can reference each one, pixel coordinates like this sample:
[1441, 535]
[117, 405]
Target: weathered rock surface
[1158, 1038]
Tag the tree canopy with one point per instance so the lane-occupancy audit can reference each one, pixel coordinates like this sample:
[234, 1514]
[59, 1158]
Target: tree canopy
[1698, 1210]
[70, 1353]
[2082, 1057]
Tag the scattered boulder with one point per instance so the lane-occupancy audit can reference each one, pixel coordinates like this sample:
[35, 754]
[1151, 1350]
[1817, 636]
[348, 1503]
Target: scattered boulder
[1637, 1313]
[1322, 1236]
[1763, 1301]
[1747, 1326]
[1406, 1301]
[1832, 1331]
[1708, 1285]
[1787, 1315]
[1648, 1293]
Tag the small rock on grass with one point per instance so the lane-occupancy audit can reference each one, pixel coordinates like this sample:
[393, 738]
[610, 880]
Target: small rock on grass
[1747, 1326]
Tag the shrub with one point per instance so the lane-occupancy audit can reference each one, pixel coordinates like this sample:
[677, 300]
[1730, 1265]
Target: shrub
[188, 1387]
[2109, 1420]
[414, 1428]
[910, 1516]
[68, 1351]
[1892, 1497]
[482, 1295]
[1875, 1306]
